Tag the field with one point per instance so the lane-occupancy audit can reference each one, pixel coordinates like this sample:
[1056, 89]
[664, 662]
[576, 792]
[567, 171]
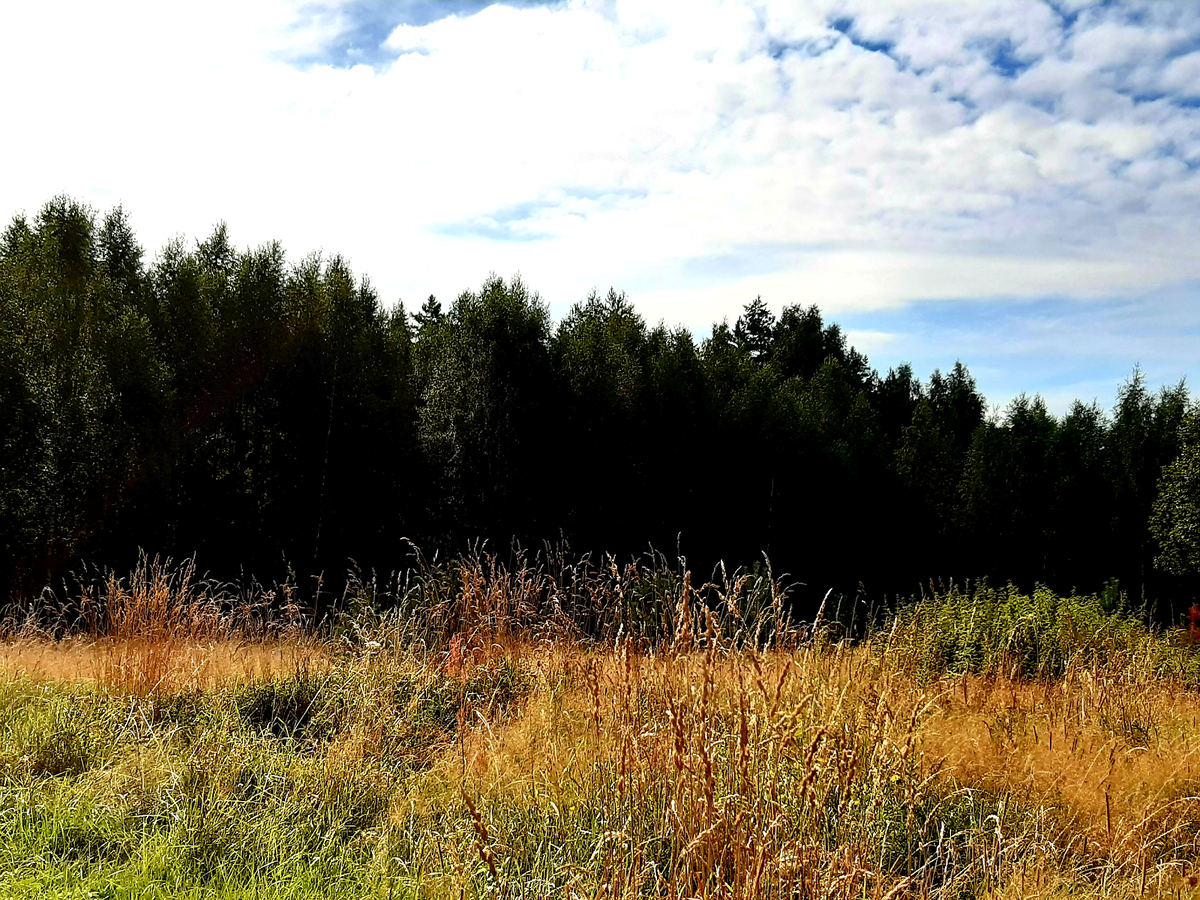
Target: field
[592, 732]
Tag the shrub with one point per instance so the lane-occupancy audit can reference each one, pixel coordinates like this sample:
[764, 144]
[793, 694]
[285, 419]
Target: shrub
[1000, 631]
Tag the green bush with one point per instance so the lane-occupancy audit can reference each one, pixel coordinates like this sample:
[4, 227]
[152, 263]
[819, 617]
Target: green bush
[1000, 631]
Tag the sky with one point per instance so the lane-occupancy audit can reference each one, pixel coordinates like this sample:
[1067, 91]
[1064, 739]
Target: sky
[1016, 185]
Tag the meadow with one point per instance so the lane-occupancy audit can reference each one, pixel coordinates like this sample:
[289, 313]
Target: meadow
[577, 730]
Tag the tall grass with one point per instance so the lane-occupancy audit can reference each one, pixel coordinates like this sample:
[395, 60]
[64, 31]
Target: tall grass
[554, 728]
[556, 595]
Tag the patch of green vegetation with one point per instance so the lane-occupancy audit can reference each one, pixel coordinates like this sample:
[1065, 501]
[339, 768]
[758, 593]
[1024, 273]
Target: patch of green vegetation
[681, 773]
[282, 707]
[1000, 631]
[53, 733]
[220, 793]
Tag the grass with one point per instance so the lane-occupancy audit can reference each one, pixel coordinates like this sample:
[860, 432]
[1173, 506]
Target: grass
[495, 734]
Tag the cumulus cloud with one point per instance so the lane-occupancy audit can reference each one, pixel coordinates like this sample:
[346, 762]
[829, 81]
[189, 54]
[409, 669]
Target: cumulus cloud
[864, 156]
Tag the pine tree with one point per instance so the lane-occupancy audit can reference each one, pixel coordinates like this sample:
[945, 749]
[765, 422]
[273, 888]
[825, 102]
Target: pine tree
[430, 312]
[754, 330]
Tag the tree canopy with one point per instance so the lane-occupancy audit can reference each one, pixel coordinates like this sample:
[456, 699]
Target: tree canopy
[1175, 522]
[269, 415]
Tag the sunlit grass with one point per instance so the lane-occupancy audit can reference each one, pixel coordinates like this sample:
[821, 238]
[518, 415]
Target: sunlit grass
[518, 758]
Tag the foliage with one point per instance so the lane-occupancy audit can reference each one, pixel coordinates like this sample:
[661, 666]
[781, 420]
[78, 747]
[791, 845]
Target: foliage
[275, 421]
[1000, 631]
[1175, 522]
[481, 372]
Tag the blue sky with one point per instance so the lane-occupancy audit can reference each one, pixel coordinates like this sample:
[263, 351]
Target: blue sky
[1016, 185]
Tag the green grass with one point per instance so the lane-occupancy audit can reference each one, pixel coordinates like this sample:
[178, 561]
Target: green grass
[532, 766]
[295, 787]
[1000, 631]
[232, 791]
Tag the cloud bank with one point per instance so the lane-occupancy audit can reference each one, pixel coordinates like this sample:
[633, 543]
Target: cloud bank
[862, 156]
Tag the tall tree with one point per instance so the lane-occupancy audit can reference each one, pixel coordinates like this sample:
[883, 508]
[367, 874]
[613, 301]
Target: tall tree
[1083, 550]
[755, 330]
[482, 374]
[600, 355]
[430, 312]
[1175, 515]
[1009, 492]
[1144, 437]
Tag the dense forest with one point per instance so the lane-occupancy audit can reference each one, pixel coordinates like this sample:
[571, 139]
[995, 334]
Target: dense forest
[272, 417]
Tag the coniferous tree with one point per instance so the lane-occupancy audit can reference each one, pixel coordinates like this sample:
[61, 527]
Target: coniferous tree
[430, 312]
[1144, 437]
[600, 355]
[755, 331]
[1009, 492]
[1082, 549]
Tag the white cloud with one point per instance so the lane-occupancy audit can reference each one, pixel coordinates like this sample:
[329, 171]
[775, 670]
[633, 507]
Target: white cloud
[869, 342]
[988, 152]
[867, 281]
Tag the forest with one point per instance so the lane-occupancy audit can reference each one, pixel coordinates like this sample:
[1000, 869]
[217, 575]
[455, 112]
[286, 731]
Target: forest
[276, 419]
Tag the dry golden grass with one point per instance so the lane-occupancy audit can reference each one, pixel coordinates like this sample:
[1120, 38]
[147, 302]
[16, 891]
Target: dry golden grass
[766, 774]
[1116, 762]
[1101, 770]
[516, 758]
[162, 630]
[141, 665]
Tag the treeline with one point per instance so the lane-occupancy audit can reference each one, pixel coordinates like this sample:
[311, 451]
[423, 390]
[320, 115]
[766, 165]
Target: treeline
[272, 416]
